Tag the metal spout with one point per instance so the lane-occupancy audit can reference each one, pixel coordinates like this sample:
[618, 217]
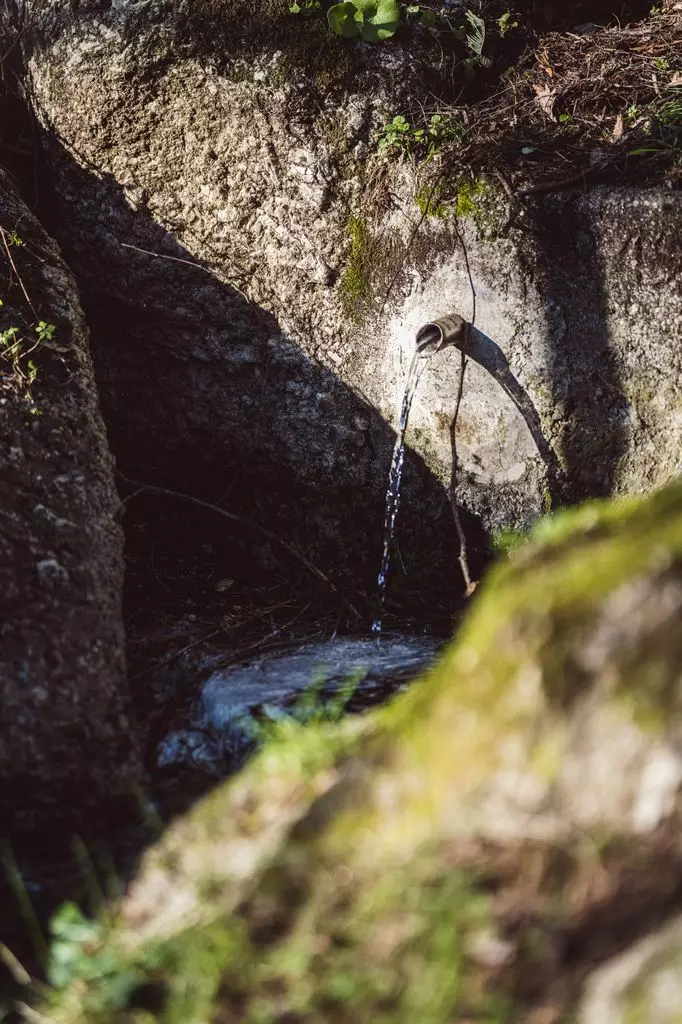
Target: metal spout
[448, 330]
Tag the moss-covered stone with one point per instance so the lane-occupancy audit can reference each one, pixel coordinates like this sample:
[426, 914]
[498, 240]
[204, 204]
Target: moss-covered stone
[356, 279]
[430, 862]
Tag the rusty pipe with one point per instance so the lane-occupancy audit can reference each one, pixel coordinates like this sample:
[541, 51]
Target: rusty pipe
[438, 334]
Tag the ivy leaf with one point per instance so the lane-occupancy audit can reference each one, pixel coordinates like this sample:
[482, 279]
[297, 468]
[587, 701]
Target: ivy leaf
[341, 18]
[475, 33]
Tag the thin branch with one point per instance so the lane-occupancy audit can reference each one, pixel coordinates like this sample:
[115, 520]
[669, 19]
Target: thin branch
[240, 654]
[167, 661]
[16, 272]
[230, 516]
[188, 263]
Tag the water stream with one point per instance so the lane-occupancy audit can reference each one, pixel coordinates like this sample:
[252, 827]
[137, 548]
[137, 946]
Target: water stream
[395, 476]
[225, 721]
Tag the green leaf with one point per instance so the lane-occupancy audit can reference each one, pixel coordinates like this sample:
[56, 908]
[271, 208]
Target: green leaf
[45, 330]
[475, 33]
[428, 18]
[341, 18]
[294, 8]
[381, 19]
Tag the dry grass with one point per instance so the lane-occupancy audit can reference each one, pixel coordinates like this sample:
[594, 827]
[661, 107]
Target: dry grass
[602, 101]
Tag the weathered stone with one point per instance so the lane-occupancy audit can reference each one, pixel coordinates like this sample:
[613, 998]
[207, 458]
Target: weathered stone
[66, 746]
[245, 143]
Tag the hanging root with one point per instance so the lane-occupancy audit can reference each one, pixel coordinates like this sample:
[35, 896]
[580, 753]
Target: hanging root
[462, 558]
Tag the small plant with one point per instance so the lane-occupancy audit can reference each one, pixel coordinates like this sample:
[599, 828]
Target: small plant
[474, 36]
[505, 23]
[77, 956]
[312, 708]
[568, 124]
[426, 16]
[371, 20]
[661, 64]
[399, 134]
[669, 113]
[18, 371]
[307, 8]
[45, 331]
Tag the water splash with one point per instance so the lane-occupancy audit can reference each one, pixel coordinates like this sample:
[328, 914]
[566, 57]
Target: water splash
[395, 476]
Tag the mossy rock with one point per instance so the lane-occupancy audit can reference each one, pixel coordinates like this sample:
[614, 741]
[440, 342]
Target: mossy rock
[468, 852]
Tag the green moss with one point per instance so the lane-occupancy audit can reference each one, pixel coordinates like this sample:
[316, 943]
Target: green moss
[355, 284]
[432, 201]
[546, 500]
[462, 196]
[469, 196]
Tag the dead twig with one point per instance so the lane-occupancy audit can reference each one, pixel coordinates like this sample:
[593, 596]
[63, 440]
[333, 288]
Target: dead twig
[188, 263]
[554, 186]
[13, 265]
[230, 516]
[240, 654]
[173, 657]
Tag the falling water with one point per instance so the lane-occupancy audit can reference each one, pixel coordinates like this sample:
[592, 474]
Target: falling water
[395, 476]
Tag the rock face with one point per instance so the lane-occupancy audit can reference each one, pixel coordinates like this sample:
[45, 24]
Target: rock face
[244, 144]
[65, 740]
[502, 843]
